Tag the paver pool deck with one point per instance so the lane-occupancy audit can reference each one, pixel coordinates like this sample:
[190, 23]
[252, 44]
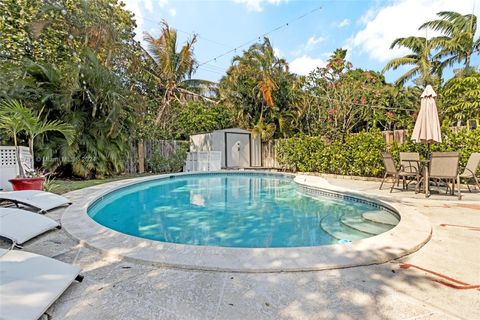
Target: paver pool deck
[115, 288]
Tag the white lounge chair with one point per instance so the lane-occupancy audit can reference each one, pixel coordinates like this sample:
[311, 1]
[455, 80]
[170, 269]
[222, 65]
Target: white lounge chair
[19, 225]
[30, 283]
[39, 200]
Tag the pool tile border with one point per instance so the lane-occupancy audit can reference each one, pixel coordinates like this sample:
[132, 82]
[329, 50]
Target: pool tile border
[322, 192]
[412, 232]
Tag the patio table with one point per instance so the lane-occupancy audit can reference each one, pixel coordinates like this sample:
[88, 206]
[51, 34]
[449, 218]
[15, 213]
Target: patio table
[423, 165]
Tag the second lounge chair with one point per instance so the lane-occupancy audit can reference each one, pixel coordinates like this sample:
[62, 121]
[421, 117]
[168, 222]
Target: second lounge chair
[30, 283]
[39, 200]
[19, 225]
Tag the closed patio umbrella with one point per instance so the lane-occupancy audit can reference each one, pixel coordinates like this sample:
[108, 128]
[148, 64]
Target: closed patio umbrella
[427, 126]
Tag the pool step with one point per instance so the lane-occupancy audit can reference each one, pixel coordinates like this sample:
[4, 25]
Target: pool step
[358, 223]
[332, 225]
[381, 216]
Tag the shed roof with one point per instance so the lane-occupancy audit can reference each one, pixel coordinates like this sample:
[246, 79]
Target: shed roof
[240, 130]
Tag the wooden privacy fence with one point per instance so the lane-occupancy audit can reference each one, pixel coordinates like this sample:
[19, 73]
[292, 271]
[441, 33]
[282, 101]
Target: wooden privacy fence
[168, 148]
[269, 154]
[142, 152]
[398, 136]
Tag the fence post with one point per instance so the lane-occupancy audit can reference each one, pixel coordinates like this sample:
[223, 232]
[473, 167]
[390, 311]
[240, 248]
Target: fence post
[141, 156]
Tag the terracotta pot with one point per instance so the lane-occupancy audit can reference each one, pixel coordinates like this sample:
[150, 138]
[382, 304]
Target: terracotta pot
[27, 183]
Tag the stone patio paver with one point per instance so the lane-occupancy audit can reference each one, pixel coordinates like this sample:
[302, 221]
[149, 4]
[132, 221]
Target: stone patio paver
[114, 288]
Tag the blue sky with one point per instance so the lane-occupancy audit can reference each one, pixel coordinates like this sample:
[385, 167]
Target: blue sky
[364, 27]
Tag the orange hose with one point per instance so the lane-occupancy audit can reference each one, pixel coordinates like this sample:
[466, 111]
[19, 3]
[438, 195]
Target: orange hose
[462, 286]
[472, 228]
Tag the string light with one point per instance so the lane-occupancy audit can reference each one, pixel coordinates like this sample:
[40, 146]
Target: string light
[261, 36]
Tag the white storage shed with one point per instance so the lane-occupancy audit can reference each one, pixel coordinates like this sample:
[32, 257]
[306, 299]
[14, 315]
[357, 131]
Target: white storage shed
[238, 147]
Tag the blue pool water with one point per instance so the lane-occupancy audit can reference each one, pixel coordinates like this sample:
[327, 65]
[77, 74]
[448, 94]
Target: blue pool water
[236, 210]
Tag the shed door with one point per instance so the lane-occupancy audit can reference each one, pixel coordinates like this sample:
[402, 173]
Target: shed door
[237, 150]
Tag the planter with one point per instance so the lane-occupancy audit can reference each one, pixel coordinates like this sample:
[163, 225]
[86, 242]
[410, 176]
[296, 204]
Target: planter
[9, 167]
[27, 183]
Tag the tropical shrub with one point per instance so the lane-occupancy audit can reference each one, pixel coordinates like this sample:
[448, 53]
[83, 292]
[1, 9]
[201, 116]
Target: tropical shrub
[464, 141]
[92, 100]
[461, 96]
[258, 89]
[199, 117]
[359, 154]
[158, 163]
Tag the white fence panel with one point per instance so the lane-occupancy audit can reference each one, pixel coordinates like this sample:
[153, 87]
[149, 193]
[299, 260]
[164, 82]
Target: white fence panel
[8, 164]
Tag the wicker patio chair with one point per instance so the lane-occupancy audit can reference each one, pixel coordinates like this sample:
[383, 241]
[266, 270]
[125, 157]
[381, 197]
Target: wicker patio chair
[410, 162]
[391, 170]
[469, 173]
[444, 166]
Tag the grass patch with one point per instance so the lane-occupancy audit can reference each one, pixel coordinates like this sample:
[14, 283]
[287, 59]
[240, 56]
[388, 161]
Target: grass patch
[61, 186]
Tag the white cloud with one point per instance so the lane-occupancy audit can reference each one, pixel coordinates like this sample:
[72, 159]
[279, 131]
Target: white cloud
[363, 20]
[308, 46]
[256, 5]
[304, 64]
[399, 19]
[312, 42]
[344, 23]
[134, 7]
[277, 53]
[148, 4]
[138, 7]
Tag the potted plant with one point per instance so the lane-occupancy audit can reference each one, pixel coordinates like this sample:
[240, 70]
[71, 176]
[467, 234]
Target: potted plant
[17, 119]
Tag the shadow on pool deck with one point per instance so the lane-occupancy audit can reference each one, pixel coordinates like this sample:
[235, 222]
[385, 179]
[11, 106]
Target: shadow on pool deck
[118, 289]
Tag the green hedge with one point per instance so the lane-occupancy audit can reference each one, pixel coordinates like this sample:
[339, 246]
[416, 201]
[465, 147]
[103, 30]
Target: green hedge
[360, 154]
[161, 164]
[465, 141]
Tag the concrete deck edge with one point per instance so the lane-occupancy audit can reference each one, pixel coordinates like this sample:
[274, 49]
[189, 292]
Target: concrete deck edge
[408, 236]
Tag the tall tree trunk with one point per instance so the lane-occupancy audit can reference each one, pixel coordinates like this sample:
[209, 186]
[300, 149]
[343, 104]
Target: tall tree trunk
[21, 171]
[30, 145]
[467, 62]
[165, 106]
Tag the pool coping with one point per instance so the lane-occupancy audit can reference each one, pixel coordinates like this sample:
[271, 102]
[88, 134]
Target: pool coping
[411, 233]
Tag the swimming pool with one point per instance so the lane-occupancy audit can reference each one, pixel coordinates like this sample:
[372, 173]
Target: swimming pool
[240, 210]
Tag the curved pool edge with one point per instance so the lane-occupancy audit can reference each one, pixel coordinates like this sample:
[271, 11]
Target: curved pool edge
[412, 232]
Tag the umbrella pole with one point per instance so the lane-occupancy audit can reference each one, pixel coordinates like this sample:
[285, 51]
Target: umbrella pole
[428, 151]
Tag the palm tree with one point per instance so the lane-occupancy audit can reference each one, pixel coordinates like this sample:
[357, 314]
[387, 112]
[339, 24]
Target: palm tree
[173, 69]
[16, 118]
[261, 56]
[93, 100]
[458, 43]
[425, 67]
[256, 86]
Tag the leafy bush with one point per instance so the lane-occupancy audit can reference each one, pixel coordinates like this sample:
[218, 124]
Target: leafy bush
[464, 141]
[198, 117]
[360, 154]
[158, 163]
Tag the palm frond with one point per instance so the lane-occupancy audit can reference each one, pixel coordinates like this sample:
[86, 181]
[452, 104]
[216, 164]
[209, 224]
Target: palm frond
[398, 62]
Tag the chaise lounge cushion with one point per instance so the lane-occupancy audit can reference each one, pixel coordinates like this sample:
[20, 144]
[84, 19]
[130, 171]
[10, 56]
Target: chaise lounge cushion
[40, 200]
[30, 283]
[20, 225]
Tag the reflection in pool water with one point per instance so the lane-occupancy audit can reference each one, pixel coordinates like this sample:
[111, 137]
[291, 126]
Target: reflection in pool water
[236, 210]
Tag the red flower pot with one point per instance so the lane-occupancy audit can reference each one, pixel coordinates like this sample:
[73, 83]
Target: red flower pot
[27, 183]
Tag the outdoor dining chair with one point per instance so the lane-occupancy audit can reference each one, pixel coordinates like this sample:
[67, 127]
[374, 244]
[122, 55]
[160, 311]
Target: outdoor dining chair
[469, 173]
[410, 162]
[444, 166]
[391, 170]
